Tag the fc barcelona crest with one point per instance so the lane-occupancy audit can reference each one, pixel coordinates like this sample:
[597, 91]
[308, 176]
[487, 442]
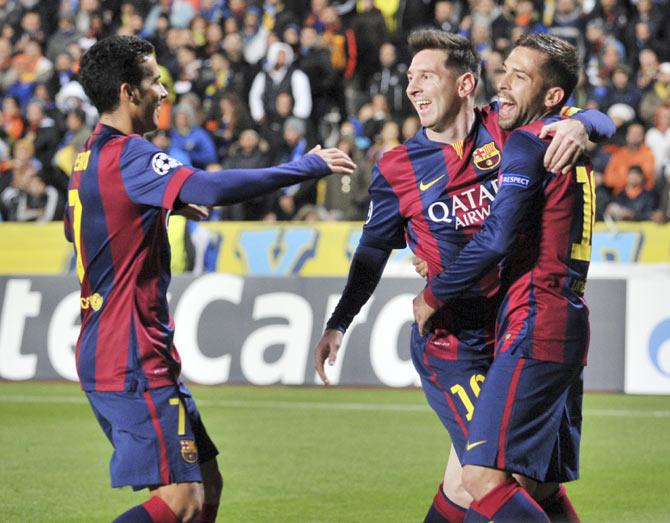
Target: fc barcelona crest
[189, 452]
[486, 157]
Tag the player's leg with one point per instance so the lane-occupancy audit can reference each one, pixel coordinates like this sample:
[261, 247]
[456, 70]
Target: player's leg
[211, 476]
[515, 430]
[154, 447]
[451, 388]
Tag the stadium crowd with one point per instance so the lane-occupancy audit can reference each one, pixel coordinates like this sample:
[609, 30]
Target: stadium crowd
[253, 83]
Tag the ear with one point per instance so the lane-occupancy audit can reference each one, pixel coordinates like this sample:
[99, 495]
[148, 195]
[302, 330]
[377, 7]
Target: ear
[553, 97]
[128, 93]
[466, 84]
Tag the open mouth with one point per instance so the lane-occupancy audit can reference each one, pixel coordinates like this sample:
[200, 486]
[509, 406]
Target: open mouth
[506, 108]
[422, 105]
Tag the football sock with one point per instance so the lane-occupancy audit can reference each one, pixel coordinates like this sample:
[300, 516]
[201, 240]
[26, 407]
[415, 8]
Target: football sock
[559, 507]
[507, 503]
[154, 510]
[207, 514]
[443, 510]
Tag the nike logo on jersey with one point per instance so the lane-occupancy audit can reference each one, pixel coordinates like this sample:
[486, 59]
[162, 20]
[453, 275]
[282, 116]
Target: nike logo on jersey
[471, 446]
[426, 186]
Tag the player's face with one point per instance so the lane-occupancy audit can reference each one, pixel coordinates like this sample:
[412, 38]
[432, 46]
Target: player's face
[152, 95]
[432, 89]
[521, 88]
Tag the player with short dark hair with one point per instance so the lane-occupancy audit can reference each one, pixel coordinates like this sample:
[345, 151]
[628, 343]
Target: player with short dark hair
[528, 415]
[122, 190]
[433, 193]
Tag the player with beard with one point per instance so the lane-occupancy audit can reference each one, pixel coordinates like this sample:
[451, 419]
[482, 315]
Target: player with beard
[121, 192]
[528, 415]
[433, 193]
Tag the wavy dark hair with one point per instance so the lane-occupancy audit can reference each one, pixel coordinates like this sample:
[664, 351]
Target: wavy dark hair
[108, 64]
[461, 54]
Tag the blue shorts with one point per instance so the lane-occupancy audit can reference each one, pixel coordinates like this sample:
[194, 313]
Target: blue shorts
[157, 435]
[451, 386]
[528, 419]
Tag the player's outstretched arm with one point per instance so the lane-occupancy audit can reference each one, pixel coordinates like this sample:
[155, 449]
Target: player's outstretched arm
[236, 185]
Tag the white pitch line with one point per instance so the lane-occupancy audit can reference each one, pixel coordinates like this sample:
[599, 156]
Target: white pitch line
[304, 405]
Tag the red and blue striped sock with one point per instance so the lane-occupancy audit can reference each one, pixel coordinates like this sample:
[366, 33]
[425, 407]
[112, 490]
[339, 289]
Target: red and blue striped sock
[559, 507]
[507, 503]
[154, 510]
[443, 510]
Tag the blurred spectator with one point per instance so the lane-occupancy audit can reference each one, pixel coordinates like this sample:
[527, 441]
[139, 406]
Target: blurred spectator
[346, 197]
[226, 121]
[658, 94]
[620, 90]
[315, 62]
[391, 81]
[62, 74]
[75, 136]
[276, 16]
[189, 67]
[295, 146]
[242, 72]
[273, 129]
[566, 22]
[658, 139]
[370, 31]
[44, 134]
[67, 33]
[647, 68]
[621, 115]
[603, 195]
[662, 213]
[410, 126]
[633, 153]
[634, 203]
[250, 152]
[388, 139]
[280, 74]
[613, 15]
[12, 121]
[7, 71]
[192, 138]
[447, 15]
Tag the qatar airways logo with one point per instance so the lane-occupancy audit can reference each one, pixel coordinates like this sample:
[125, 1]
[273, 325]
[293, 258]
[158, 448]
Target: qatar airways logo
[467, 208]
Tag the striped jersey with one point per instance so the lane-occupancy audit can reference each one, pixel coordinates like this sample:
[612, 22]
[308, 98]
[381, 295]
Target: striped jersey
[433, 197]
[540, 225]
[120, 193]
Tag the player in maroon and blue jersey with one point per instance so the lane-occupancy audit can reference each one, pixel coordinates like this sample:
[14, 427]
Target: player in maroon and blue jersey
[433, 193]
[528, 415]
[122, 190]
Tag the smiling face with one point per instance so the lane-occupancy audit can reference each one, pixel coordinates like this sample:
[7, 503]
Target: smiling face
[521, 89]
[432, 89]
[152, 93]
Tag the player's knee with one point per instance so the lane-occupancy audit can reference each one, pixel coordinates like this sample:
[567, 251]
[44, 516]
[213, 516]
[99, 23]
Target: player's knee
[478, 481]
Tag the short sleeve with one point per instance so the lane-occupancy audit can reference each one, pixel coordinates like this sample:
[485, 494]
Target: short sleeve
[385, 226]
[150, 176]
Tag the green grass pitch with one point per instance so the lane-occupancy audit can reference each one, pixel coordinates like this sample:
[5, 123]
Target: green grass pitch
[314, 455]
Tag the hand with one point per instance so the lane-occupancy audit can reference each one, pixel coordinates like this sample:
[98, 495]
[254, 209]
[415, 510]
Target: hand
[420, 266]
[338, 161]
[194, 212]
[422, 314]
[568, 143]
[327, 348]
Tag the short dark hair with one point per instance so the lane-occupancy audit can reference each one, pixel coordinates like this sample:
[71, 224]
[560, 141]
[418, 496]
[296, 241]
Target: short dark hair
[461, 54]
[108, 64]
[561, 67]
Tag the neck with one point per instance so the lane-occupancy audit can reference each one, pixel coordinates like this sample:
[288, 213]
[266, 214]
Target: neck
[119, 121]
[458, 128]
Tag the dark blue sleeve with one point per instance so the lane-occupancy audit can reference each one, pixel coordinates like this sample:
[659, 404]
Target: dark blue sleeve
[522, 178]
[385, 226]
[150, 176]
[366, 269]
[598, 125]
[236, 185]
